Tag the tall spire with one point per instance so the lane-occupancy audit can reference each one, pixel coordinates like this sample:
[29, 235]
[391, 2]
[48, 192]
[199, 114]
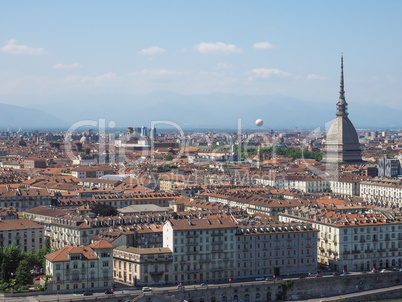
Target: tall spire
[342, 89]
[342, 106]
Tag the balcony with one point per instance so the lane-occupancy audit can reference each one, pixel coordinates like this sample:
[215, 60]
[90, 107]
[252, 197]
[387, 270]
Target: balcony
[204, 260]
[217, 242]
[191, 236]
[191, 252]
[368, 251]
[345, 252]
[381, 250]
[217, 251]
[216, 235]
[355, 252]
[387, 239]
[158, 273]
[393, 249]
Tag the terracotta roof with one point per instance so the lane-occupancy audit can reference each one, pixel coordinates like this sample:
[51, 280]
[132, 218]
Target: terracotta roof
[63, 254]
[102, 244]
[14, 224]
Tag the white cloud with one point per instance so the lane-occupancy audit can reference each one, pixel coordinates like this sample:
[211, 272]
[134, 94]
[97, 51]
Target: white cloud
[67, 66]
[92, 80]
[265, 72]
[157, 72]
[154, 50]
[14, 48]
[217, 48]
[315, 77]
[263, 45]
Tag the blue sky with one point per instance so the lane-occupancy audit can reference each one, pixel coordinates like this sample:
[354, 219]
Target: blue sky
[291, 48]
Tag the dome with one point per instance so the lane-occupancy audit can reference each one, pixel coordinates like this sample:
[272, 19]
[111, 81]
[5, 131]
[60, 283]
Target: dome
[342, 131]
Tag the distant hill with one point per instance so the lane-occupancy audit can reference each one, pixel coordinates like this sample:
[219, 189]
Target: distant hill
[26, 118]
[218, 110]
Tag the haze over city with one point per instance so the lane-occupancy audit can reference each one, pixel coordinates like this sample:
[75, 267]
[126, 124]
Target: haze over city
[202, 64]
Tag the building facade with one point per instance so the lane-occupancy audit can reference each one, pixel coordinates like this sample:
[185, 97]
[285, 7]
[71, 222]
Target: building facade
[81, 269]
[137, 266]
[354, 242]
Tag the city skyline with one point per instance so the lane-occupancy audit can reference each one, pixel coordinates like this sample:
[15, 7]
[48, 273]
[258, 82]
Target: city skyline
[57, 53]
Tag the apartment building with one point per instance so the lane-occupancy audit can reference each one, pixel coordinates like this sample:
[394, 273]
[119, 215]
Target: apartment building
[353, 241]
[279, 249]
[139, 266]
[303, 183]
[253, 203]
[24, 199]
[33, 162]
[345, 185]
[66, 228]
[24, 233]
[382, 191]
[203, 248]
[81, 268]
[123, 200]
[91, 172]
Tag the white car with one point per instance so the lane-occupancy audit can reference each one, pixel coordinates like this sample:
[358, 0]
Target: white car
[146, 289]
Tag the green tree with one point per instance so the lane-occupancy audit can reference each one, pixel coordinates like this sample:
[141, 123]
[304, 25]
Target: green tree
[11, 258]
[23, 275]
[40, 260]
[169, 157]
[47, 242]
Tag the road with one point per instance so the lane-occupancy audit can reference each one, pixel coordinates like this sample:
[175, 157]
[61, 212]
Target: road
[131, 292]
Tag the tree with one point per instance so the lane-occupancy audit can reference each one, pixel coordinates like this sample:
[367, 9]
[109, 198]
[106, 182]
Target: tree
[169, 157]
[23, 275]
[40, 260]
[11, 258]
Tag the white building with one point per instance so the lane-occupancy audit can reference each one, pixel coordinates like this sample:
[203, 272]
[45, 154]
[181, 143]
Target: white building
[358, 241]
[81, 268]
[203, 249]
[303, 183]
[382, 191]
[24, 233]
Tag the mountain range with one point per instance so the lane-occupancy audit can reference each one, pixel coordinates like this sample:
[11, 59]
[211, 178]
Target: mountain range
[197, 111]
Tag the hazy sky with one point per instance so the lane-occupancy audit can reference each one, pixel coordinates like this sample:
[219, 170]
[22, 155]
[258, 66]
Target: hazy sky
[290, 48]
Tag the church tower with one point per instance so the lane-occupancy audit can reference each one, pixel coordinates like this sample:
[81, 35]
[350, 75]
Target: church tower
[342, 143]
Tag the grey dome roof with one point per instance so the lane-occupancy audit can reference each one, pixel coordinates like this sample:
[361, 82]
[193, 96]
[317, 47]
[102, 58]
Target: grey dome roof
[342, 131]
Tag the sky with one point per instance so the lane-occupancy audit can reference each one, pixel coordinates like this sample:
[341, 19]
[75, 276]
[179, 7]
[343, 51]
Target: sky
[49, 49]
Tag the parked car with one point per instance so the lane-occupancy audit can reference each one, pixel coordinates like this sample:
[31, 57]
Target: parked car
[204, 285]
[180, 286]
[345, 274]
[108, 292]
[312, 275]
[259, 279]
[269, 279]
[318, 276]
[384, 270]
[88, 294]
[146, 289]
[336, 274]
